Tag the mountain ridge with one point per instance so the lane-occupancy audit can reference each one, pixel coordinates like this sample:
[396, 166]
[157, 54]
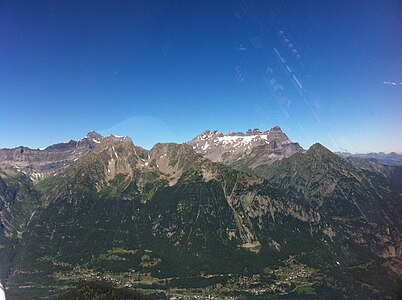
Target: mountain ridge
[40, 163]
[169, 217]
[391, 158]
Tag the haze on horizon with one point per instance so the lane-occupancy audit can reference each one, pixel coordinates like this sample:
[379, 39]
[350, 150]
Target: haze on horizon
[157, 71]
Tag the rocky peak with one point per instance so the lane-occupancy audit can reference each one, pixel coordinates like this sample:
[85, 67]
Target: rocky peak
[208, 135]
[94, 136]
[171, 158]
[254, 131]
[120, 147]
[118, 138]
[317, 148]
[235, 146]
[276, 128]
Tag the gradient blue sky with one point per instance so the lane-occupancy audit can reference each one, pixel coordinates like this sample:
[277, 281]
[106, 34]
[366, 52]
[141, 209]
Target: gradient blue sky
[325, 71]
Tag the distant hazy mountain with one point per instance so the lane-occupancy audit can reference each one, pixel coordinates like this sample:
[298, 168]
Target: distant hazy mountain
[392, 159]
[172, 222]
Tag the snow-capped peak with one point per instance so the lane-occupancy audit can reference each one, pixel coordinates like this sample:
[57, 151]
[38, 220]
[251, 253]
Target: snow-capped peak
[230, 147]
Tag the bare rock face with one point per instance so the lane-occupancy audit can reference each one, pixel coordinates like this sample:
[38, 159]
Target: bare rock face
[39, 163]
[245, 150]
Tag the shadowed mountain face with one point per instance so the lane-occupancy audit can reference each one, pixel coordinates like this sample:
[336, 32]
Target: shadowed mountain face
[310, 225]
[18, 202]
[346, 197]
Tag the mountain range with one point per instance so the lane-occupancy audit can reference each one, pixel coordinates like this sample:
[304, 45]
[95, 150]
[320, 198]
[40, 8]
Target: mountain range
[238, 216]
[391, 159]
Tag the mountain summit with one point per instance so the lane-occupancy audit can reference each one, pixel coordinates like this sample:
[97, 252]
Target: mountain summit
[94, 136]
[245, 150]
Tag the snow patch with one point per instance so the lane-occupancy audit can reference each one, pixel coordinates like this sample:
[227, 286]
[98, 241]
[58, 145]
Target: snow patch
[2, 294]
[237, 140]
[36, 176]
[115, 152]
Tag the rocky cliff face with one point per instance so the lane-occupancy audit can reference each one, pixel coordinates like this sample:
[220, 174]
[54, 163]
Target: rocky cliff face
[245, 150]
[37, 163]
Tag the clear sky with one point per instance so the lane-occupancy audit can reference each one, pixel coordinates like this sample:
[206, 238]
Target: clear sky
[325, 71]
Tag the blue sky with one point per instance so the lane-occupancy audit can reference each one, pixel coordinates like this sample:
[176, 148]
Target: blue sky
[325, 71]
